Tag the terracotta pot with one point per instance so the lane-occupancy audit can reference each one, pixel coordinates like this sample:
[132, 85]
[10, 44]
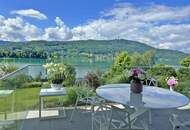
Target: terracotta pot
[136, 87]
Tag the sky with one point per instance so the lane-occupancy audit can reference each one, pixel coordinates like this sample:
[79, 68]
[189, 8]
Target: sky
[158, 23]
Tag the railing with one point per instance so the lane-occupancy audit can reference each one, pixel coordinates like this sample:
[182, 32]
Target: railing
[12, 110]
[30, 70]
[17, 102]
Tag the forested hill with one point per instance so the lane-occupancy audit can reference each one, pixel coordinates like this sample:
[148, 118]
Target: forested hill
[93, 48]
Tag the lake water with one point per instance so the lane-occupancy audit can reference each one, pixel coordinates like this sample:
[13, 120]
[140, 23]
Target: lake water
[81, 65]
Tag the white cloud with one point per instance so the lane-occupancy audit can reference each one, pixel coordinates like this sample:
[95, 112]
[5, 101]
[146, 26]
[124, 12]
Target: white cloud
[30, 13]
[157, 25]
[16, 29]
[58, 33]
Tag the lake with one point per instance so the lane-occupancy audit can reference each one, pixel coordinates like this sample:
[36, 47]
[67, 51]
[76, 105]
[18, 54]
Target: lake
[82, 65]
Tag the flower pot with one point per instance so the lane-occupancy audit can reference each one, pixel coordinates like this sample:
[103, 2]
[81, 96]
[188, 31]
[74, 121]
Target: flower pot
[171, 88]
[56, 86]
[136, 87]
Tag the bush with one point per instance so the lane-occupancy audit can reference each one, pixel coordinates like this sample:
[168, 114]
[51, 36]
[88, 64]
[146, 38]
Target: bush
[70, 75]
[122, 78]
[16, 82]
[185, 62]
[32, 85]
[183, 74]
[121, 63]
[162, 81]
[7, 68]
[72, 93]
[183, 87]
[161, 70]
[92, 79]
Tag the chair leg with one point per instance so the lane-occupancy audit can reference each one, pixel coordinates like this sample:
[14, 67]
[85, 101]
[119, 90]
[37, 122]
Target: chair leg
[110, 120]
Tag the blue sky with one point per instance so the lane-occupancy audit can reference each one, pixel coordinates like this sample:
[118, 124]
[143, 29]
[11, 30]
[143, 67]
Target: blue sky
[158, 23]
[73, 12]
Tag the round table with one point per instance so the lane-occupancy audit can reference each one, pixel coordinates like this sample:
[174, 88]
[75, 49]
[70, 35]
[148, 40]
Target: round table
[151, 97]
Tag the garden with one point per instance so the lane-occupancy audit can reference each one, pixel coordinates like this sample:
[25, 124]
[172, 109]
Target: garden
[26, 94]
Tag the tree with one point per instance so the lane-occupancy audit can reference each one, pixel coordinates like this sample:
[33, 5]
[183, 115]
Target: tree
[136, 59]
[149, 58]
[146, 59]
[122, 61]
[185, 62]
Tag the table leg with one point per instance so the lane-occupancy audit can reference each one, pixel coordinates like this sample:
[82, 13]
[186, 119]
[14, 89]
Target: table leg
[42, 103]
[40, 106]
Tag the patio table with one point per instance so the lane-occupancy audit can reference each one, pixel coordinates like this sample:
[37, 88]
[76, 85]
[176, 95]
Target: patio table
[150, 98]
[48, 93]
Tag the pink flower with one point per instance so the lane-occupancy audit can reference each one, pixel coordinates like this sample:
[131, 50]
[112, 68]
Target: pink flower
[137, 72]
[172, 81]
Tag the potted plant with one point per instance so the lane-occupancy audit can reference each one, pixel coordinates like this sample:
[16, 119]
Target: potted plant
[55, 74]
[136, 78]
[172, 82]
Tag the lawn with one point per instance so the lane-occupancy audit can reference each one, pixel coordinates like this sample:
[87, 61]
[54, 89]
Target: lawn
[28, 99]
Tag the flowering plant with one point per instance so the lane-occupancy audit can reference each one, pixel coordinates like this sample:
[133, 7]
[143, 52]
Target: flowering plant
[55, 72]
[172, 81]
[137, 75]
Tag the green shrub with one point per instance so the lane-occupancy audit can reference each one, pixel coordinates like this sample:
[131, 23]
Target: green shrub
[46, 85]
[121, 63]
[122, 78]
[71, 95]
[80, 90]
[162, 70]
[32, 85]
[16, 82]
[183, 74]
[183, 87]
[7, 68]
[70, 75]
[162, 81]
[185, 62]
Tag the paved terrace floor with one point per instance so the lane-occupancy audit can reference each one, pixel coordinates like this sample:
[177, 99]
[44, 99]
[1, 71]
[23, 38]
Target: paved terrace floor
[82, 121]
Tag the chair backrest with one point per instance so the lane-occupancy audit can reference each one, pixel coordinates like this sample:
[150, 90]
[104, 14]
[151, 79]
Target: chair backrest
[151, 82]
[84, 89]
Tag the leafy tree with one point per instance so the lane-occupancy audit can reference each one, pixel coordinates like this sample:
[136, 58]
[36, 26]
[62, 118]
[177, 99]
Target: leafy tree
[183, 74]
[146, 59]
[149, 58]
[122, 61]
[185, 62]
[136, 59]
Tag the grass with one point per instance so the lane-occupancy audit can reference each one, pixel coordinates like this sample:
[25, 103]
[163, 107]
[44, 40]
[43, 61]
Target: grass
[28, 99]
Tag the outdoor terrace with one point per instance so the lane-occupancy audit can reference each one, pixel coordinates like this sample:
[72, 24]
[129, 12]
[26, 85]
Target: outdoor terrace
[21, 112]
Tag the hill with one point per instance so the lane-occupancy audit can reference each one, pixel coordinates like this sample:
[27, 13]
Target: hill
[94, 48]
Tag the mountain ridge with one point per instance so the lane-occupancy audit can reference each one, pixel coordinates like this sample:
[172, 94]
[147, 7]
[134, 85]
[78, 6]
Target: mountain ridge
[96, 47]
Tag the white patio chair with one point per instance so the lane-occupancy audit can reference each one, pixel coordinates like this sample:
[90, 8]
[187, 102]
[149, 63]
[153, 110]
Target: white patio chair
[154, 83]
[117, 117]
[177, 120]
[100, 116]
[151, 82]
[85, 98]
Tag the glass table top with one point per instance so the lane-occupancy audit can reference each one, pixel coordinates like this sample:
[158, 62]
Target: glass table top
[53, 92]
[151, 97]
